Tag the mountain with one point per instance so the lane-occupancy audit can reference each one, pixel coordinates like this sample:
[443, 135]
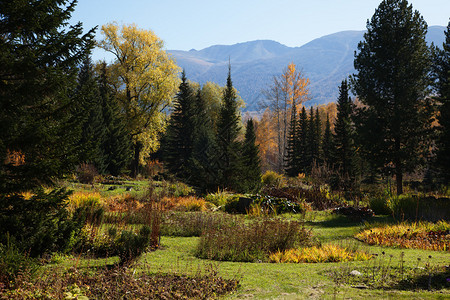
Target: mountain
[326, 61]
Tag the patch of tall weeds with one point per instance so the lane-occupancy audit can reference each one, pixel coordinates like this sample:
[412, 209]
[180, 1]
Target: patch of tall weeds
[252, 242]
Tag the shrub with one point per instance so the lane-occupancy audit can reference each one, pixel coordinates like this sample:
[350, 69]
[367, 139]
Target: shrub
[179, 189]
[268, 204]
[190, 203]
[380, 206]
[86, 173]
[87, 204]
[13, 262]
[421, 235]
[272, 179]
[221, 198]
[194, 223]
[318, 198]
[252, 242]
[325, 253]
[414, 208]
[107, 241]
[41, 224]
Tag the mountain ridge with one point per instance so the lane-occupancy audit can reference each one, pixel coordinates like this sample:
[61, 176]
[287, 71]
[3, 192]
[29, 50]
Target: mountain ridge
[326, 61]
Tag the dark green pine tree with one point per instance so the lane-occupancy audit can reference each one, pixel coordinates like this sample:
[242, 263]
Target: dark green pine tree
[344, 146]
[318, 132]
[93, 129]
[302, 143]
[229, 148]
[393, 65]
[442, 84]
[39, 121]
[291, 161]
[251, 160]
[204, 168]
[313, 142]
[327, 144]
[39, 56]
[117, 143]
[179, 141]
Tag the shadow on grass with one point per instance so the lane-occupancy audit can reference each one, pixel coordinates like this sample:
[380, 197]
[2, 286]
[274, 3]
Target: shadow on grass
[343, 221]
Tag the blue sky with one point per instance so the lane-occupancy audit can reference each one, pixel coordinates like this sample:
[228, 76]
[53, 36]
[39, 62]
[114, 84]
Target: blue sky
[196, 24]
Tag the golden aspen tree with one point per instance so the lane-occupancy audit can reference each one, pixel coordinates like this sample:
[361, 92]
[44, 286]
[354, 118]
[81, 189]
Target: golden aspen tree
[288, 90]
[146, 79]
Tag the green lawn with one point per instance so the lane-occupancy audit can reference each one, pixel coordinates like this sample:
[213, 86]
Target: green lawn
[296, 281]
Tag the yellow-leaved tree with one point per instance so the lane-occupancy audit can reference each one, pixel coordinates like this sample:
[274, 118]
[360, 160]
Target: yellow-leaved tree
[146, 79]
[288, 90]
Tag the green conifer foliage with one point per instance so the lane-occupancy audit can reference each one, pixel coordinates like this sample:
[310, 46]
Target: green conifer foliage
[393, 64]
[204, 170]
[93, 130]
[39, 121]
[327, 143]
[251, 160]
[117, 142]
[344, 146]
[442, 72]
[39, 56]
[291, 161]
[179, 140]
[229, 149]
[302, 137]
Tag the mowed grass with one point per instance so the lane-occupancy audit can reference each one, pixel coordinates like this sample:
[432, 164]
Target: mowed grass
[297, 281]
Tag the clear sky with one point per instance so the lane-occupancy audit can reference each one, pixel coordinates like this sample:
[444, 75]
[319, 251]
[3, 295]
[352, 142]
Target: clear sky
[197, 24]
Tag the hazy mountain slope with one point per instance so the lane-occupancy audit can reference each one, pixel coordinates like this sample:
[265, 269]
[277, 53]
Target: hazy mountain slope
[326, 61]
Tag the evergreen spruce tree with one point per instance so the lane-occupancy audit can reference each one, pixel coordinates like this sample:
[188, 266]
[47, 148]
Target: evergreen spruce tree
[39, 122]
[312, 139]
[229, 149]
[204, 168]
[344, 147]
[318, 132]
[93, 130]
[327, 143]
[291, 161]
[117, 142]
[251, 160]
[393, 64]
[442, 84]
[179, 141]
[302, 143]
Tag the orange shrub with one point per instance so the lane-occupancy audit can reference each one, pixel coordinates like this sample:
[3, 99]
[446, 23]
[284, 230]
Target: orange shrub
[190, 203]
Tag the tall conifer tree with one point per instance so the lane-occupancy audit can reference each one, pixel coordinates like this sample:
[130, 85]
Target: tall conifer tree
[229, 149]
[344, 146]
[392, 64]
[327, 143]
[39, 122]
[179, 140]
[251, 160]
[292, 164]
[303, 141]
[93, 127]
[442, 83]
[117, 142]
[204, 170]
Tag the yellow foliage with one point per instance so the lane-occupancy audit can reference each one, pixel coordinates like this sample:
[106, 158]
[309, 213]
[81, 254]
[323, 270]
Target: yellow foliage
[326, 253]
[146, 79]
[190, 203]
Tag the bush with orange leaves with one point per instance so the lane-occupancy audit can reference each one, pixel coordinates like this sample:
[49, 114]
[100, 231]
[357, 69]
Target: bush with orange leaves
[190, 203]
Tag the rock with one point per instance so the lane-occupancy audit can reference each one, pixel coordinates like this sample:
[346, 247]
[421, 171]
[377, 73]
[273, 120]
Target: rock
[355, 273]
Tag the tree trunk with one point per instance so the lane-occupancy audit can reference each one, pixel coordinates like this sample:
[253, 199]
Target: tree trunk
[135, 162]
